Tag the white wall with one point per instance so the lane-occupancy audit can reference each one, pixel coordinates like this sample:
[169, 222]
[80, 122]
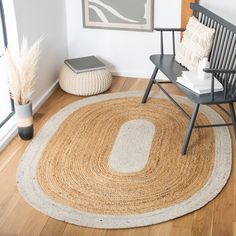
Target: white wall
[36, 18]
[125, 52]
[226, 9]
[12, 34]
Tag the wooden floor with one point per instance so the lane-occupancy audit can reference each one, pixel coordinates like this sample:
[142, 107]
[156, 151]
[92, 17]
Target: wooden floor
[18, 218]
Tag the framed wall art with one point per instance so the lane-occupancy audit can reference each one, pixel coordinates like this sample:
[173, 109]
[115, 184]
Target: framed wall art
[119, 14]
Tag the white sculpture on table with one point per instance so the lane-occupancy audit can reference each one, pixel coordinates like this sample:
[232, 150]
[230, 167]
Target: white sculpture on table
[203, 64]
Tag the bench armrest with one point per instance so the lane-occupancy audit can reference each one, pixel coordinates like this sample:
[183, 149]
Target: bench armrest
[226, 82]
[170, 29]
[173, 31]
[221, 71]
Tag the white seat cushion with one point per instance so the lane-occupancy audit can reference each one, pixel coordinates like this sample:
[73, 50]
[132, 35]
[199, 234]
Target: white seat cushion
[196, 44]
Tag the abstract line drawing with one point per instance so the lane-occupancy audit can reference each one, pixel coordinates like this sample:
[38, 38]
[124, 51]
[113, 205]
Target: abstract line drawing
[99, 13]
[111, 10]
[117, 14]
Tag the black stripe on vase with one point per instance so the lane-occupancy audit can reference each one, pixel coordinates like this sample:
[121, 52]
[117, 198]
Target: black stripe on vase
[26, 133]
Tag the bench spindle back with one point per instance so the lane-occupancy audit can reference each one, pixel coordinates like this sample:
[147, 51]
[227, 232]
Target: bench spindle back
[223, 54]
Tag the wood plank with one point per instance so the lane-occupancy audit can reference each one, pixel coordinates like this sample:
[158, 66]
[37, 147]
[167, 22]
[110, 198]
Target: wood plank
[203, 221]
[16, 223]
[117, 84]
[34, 224]
[53, 227]
[223, 215]
[234, 229]
[161, 229]
[131, 232]
[82, 231]
[182, 226]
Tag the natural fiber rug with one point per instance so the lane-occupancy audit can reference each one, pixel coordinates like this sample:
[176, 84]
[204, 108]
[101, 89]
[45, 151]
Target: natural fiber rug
[111, 162]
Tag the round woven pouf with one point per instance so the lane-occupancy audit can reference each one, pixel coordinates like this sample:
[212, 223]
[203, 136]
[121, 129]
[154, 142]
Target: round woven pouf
[85, 84]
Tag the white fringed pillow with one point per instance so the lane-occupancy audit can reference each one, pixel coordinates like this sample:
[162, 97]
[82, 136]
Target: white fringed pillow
[196, 44]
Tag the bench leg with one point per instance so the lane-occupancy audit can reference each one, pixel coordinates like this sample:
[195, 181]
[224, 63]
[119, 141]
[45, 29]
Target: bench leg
[233, 117]
[149, 87]
[190, 129]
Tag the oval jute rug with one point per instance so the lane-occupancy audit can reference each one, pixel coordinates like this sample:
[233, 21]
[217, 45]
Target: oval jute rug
[111, 162]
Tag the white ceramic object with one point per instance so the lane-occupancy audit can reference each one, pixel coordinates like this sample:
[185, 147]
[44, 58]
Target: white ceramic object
[203, 64]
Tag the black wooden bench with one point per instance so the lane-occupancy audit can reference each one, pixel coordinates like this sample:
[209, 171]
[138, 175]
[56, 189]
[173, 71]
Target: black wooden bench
[222, 66]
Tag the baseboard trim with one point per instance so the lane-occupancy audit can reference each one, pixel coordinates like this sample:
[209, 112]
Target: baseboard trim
[9, 130]
[130, 75]
[160, 75]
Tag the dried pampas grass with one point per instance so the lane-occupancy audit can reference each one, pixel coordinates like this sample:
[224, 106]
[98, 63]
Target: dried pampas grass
[22, 75]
